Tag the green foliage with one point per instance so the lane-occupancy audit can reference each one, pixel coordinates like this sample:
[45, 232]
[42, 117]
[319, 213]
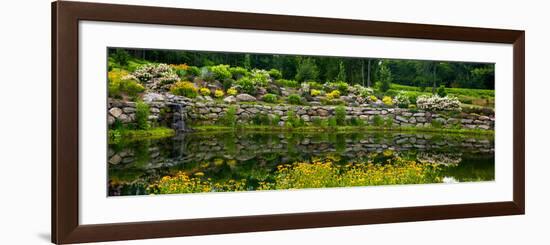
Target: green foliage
[441, 91]
[378, 121]
[402, 100]
[355, 121]
[270, 98]
[341, 72]
[220, 72]
[287, 83]
[228, 83]
[389, 122]
[275, 74]
[340, 115]
[229, 118]
[184, 88]
[193, 71]
[294, 99]
[129, 87]
[436, 124]
[314, 85]
[293, 120]
[246, 85]
[385, 78]
[238, 72]
[341, 86]
[307, 70]
[275, 120]
[142, 116]
[121, 57]
[332, 122]
[260, 78]
[261, 119]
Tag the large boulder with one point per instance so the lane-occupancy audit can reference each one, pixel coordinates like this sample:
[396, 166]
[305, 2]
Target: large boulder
[245, 98]
[230, 99]
[150, 97]
[115, 112]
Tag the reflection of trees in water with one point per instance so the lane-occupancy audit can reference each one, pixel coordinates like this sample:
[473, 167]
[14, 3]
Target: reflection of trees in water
[238, 155]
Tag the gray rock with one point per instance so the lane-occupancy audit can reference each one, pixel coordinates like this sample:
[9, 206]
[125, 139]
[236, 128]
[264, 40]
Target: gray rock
[129, 109]
[245, 98]
[401, 119]
[230, 99]
[115, 112]
[110, 120]
[150, 97]
[116, 159]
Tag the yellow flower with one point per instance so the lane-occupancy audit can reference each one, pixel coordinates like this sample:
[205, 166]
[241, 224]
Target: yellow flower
[218, 93]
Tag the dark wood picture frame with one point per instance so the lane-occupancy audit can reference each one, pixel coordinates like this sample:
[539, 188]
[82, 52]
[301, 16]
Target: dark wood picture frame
[65, 122]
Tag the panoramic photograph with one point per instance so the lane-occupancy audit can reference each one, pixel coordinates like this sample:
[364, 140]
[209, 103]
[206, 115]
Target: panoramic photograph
[185, 121]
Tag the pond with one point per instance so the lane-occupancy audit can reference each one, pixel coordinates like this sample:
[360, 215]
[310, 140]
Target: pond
[247, 161]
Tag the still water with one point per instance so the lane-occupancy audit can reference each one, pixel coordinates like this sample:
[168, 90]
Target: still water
[259, 160]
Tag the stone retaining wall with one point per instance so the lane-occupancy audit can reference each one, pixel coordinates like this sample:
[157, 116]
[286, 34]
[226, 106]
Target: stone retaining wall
[176, 112]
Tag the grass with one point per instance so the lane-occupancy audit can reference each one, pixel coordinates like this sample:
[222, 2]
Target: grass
[259, 128]
[128, 135]
[467, 96]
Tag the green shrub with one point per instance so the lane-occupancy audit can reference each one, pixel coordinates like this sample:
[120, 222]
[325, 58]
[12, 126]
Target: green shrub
[142, 115]
[287, 83]
[229, 118]
[401, 100]
[441, 91]
[294, 99]
[389, 122]
[220, 72]
[186, 89]
[317, 121]
[275, 120]
[259, 77]
[246, 85]
[227, 83]
[238, 72]
[340, 115]
[129, 87]
[314, 85]
[293, 120]
[261, 119]
[193, 71]
[275, 74]
[378, 121]
[270, 98]
[355, 121]
[343, 87]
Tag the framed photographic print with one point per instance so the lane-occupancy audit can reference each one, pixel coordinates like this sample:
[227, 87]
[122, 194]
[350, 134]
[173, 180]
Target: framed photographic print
[175, 122]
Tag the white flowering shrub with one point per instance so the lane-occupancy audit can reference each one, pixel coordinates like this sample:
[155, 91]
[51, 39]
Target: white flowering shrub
[401, 100]
[436, 103]
[361, 91]
[149, 71]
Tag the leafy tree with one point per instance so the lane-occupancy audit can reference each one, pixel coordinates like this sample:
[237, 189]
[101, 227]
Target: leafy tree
[341, 72]
[385, 78]
[307, 70]
[121, 57]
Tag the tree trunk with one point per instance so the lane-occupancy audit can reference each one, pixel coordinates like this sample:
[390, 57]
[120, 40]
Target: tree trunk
[433, 77]
[368, 74]
[363, 72]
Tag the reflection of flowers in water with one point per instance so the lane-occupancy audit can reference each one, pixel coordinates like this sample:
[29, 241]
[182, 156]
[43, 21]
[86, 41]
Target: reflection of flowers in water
[448, 159]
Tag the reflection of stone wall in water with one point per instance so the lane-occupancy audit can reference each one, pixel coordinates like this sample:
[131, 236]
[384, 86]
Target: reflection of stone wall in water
[192, 148]
[175, 112]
